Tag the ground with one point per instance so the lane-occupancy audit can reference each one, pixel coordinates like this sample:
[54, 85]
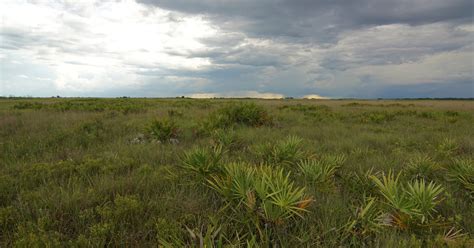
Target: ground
[236, 172]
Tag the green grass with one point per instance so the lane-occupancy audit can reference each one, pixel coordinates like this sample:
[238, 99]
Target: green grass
[236, 172]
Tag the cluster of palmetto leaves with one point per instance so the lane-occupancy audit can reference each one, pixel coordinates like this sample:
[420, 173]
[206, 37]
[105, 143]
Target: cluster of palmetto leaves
[263, 198]
[407, 206]
[411, 205]
[266, 196]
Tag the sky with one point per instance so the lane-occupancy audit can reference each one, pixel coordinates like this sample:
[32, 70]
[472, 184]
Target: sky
[237, 48]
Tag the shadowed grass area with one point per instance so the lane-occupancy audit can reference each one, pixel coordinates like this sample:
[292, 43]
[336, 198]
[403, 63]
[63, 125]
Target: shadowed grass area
[236, 172]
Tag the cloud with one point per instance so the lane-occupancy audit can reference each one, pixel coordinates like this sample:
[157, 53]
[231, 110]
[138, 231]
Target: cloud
[238, 94]
[359, 48]
[314, 96]
[321, 19]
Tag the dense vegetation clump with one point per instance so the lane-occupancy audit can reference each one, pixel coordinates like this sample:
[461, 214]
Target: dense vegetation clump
[163, 130]
[247, 114]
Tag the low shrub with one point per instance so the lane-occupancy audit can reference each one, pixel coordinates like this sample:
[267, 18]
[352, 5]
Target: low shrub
[316, 112]
[447, 147]
[321, 172]
[247, 114]
[377, 117]
[28, 105]
[203, 161]
[163, 130]
[410, 206]
[264, 196]
[421, 166]
[287, 151]
[462, 172]
[364, 223]
[226, 138]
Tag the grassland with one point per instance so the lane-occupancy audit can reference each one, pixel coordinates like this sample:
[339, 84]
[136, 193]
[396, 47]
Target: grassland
[242, 173]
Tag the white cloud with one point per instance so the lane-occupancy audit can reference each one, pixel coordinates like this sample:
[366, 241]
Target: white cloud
[443, 67]
[238, 94]
[314, 96]
[94, 45]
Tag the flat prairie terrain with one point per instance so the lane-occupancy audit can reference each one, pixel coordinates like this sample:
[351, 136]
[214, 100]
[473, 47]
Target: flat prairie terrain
[236, 172]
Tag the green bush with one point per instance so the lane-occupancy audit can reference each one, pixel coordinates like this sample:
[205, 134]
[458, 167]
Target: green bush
[365, 222]
[319, 172]
[377, 117]
[287, 151]
[226, 138]
[262, 192]
[316, 112]
[410, 206]
[28, 105]
[203, 161]
[422, 166]
[462, 172]
[247, 114]
[447, 147]
[163, 130]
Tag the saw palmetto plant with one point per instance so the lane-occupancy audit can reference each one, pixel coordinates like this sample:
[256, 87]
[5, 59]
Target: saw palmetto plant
[410, 205]
[394, 194]
[163, 130]
[365, 221]
[462, 172]
[318, 171]
[425, 196]
[203, 161]
[284, 152]
[262, 192]
[421, 166]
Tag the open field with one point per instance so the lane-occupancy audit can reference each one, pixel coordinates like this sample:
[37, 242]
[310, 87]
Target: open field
[244, 173]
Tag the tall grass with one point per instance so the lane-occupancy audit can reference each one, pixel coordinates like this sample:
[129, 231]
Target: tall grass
[245, 173]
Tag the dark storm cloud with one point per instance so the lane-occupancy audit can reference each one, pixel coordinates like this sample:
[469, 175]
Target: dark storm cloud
[323, 24]
[318, 19]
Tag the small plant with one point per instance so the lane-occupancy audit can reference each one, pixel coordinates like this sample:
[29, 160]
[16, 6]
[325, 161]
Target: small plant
[28, 105]
[425, 196]
[447, 147]
[377, 117]
[462, 172]
[287, 151]
[95, 129]
[174, 113]
[453, 238]
[365, 221]
[334, 160]
[401, 207]
[163, 130]
[359, 182]
[124, 212]
[421, 166]
[429, 115]
[211, 237]
[281, 200]
[203, 161]
[318, 171]
[169, 233]
[411, 206]
[225, 138]
[248, 114]
[394, 194]
[261, 192]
